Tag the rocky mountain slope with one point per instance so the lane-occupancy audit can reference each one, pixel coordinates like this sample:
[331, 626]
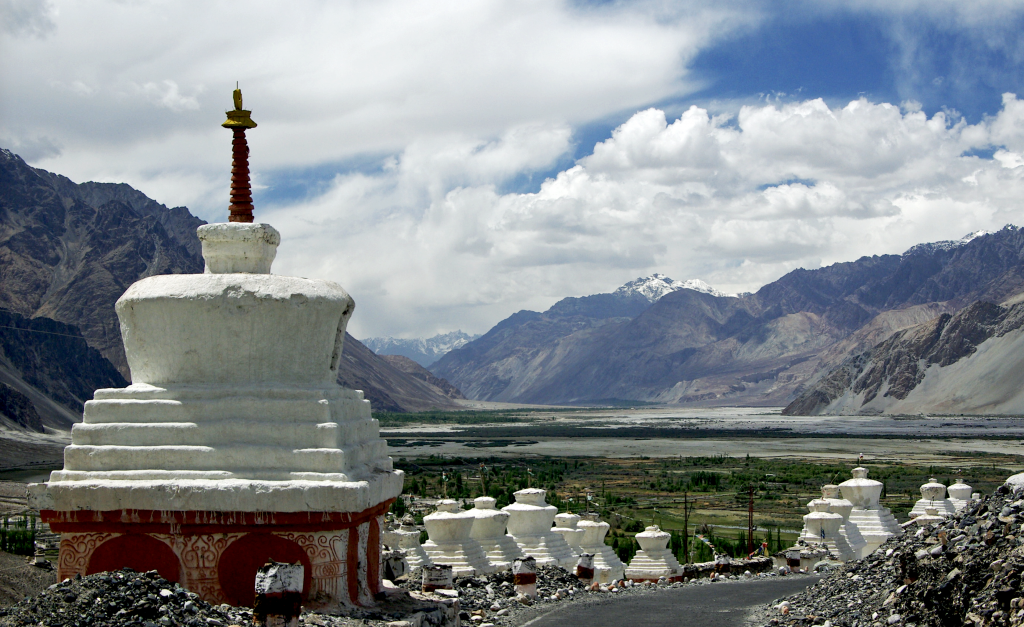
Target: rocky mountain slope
[67, 253]
[968, 362]
[413, 369]
[388, 388]
[422, 351]
[47, 372]
[750, 349]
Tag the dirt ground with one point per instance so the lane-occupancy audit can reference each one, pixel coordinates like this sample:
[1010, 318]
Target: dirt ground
[19, 579]
[13, 497]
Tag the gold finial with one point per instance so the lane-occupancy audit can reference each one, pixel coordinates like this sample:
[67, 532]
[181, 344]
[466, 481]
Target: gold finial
[239, 117]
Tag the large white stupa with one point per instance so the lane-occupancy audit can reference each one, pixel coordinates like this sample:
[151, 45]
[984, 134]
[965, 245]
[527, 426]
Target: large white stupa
[843, 507]
[874, 521]
[529, 523]
[234, 444]
[822, 526]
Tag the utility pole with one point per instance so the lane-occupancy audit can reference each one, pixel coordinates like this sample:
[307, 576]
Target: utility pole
[687, 508]
[750, 522]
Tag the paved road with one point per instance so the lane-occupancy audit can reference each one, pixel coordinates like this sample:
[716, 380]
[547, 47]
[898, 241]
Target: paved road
[715, 605]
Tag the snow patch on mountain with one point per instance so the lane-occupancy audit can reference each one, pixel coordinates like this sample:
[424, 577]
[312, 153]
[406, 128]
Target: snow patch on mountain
[422, 351]
[657, 285]
[950, 244]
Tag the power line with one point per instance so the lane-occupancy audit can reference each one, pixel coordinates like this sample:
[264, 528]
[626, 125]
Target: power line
[78, 337]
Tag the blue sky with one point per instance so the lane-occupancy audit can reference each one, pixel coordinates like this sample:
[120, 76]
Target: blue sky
[451, 163]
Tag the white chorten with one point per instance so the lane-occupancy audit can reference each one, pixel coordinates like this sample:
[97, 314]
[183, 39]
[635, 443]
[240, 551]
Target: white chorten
[843, 507]
[529, 522]
[654, 559]
[489, 531]
[566, 526]
[875, 522]
[933, 494]
[450, 542]
[959, 494]
[234, 439]
[607, 565]
[822, 527]
[407, 538]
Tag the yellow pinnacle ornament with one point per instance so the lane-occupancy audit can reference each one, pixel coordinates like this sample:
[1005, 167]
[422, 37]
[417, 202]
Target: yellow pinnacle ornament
[239, 117]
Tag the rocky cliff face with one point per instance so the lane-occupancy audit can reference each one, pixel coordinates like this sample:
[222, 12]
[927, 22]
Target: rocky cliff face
[954, 363]
[51, 367]
[68, 251]
[759, 349]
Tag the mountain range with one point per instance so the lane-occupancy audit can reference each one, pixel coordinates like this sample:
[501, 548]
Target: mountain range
[67, 253]
[967, 362]
[422, 351]
[699, 347]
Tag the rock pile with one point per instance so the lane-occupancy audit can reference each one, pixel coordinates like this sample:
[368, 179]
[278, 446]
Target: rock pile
[962, 571]
[122, 597]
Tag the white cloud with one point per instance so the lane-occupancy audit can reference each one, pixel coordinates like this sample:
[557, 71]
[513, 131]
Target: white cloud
[165, 93]
[120, 83]
[735, 202]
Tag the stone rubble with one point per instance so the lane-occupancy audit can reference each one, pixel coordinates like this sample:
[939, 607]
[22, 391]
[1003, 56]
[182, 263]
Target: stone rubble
[122, 597]
[964, 570]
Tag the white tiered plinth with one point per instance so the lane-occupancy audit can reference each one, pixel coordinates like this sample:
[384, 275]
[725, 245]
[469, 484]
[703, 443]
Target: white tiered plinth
[607, 565]
[822, 527]
[875, 522]
[654, 560]
[848, 530]
[407, 538]
[450, 542]
[529, 522]
[929, 517]
[565, 525]
[489, 531]
[959, 494]
[234, 438]
[933, 494]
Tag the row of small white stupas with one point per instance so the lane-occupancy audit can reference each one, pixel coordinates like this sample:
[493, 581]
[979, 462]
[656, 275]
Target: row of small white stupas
[484, 539]
[854, 525]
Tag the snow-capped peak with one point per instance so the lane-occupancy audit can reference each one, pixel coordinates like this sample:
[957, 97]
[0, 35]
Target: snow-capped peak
[948, 244]
[657, 285]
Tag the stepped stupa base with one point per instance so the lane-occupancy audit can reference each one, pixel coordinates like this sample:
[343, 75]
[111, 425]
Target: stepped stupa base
[549, 549]
[653, 565]
[876, 526]
[216, 554]
[944, 507]
[502, 552]
[466, 559]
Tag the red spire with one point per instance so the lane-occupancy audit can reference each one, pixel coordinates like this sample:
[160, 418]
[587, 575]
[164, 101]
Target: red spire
[241, 191]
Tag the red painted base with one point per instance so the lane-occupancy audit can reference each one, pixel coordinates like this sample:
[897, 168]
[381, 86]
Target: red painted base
[216, 554]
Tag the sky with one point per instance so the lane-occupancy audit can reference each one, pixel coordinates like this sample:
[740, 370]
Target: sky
[451, 163]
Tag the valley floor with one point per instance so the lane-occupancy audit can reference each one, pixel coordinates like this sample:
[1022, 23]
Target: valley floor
[661, 432]
[24, 451]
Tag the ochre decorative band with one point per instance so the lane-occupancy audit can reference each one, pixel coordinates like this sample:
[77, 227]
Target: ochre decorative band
[201, 522]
